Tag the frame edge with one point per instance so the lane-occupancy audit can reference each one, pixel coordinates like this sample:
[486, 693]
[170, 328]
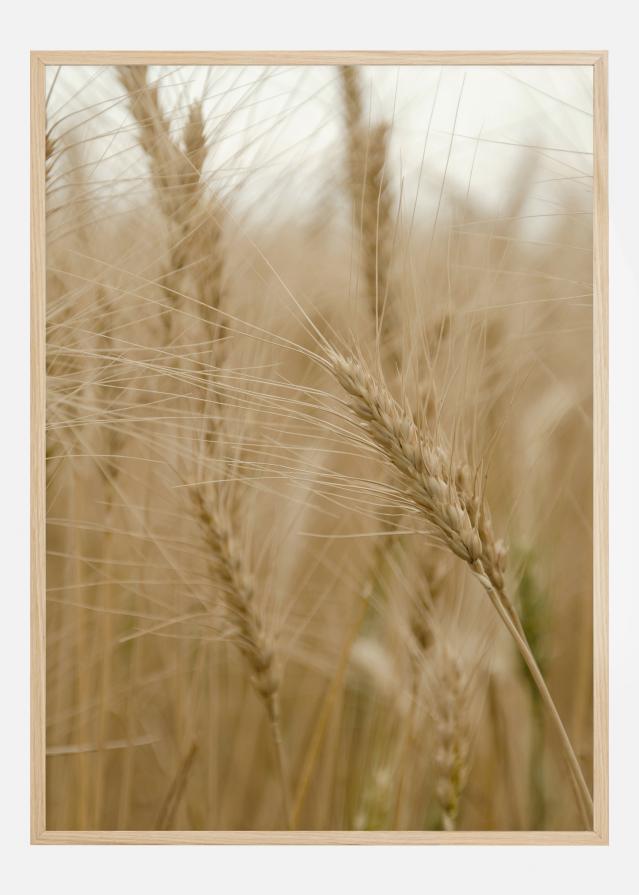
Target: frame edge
[37, 470]
[600, 450]
[599, 61]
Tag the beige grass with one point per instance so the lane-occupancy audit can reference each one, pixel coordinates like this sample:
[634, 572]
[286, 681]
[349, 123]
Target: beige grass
[299, 341]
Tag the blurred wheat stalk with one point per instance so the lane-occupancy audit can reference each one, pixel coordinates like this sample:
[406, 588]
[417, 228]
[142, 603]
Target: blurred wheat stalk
[271, 450]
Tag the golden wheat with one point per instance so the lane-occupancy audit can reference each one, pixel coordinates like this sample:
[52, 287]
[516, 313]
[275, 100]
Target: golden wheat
[297, 364]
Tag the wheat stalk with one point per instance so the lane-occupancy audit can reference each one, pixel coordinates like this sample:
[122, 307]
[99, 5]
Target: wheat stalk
[197, 265]
[372, 200]
[447, 496]
[251, 638]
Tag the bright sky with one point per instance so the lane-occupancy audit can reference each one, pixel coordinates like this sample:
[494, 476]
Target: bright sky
[469, 128]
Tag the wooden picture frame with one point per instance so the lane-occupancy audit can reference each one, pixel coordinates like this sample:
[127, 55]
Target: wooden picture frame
[598, 61]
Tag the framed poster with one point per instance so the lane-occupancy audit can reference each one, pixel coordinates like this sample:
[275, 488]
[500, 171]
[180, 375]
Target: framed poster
[319, 447]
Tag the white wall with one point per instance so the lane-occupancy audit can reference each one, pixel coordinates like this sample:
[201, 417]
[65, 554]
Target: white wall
[395, 24]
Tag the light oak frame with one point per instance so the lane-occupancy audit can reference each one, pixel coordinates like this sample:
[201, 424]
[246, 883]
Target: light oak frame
[599, 62]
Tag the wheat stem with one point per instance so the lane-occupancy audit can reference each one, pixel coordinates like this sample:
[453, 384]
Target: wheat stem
[582, 793]
[273, 709]
[443, 492]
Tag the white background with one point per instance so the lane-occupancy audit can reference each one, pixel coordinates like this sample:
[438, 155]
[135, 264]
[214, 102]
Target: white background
[329, 24]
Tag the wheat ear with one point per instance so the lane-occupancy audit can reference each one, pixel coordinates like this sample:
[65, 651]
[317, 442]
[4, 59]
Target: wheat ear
[450, 716]
[446, 495]
[250, 637]
[371, 197]
[194, 216]
[433, 573]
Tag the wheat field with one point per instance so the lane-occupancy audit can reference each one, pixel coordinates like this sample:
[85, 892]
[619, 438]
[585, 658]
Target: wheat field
[319, 448]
